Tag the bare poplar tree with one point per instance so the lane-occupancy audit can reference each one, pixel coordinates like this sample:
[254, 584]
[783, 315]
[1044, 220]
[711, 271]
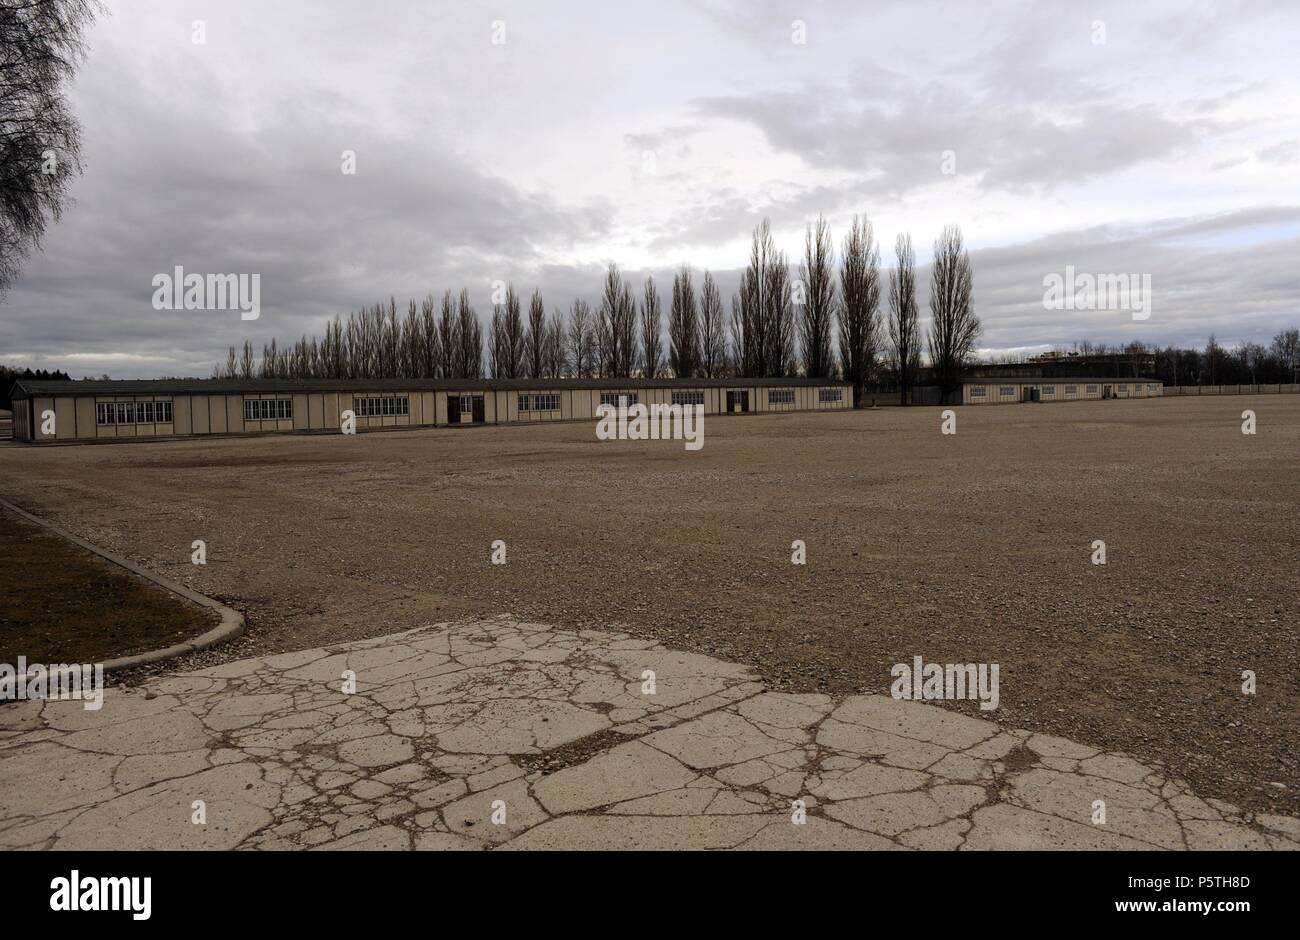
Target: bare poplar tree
[498, 354]
[904, 333]
[412, 341]
[750, 314]
[246, 361]
[535, 341]
[818, 311]
[778, 315]
[513, 367]
[616, 334]
[713, 344]
[580, 339]
[953, 324]
[390, 364]
[448, 341]
[430, 354]
[469, 356]
[651, 342]
[348, 352]
[683, 327]
[625, 333]
[607, 323]
[859, 303]
[552, 348]
[334, 367]
[270, 361]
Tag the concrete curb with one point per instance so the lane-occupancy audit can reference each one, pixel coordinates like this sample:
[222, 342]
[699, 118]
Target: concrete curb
[232, 621]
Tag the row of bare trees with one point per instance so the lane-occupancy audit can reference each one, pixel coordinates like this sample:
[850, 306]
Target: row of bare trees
[517, 350]
[764, 325]
[1245, 363]
[431, 341]
[815, 324]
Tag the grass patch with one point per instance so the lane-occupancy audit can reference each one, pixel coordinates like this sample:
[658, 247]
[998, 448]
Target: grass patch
[60, 603]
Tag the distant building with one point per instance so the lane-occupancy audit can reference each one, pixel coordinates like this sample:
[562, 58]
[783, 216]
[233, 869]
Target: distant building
[1008, 389]
[117, 410]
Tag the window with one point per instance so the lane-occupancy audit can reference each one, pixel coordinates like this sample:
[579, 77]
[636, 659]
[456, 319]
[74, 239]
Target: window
[782, 396]
[618, 399]
[1092, 390]
[977, 391]
[546, 401]
[827, 394]
[688, 398]
[387, 406]
[1151, 387]
[1007, 391]
[139, 412]
[267, 409]
[1049, 391]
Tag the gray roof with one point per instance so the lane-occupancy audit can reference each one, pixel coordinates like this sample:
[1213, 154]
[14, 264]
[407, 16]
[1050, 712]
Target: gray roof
[26, 388]
[1049, 380]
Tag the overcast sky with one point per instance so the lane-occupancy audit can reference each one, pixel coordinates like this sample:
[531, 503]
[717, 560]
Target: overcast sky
[1115, 137]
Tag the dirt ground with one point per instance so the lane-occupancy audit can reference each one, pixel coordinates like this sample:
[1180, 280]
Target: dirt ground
[970, 548]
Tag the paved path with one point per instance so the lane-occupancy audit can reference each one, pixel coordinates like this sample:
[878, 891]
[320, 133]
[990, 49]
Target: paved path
[455, 723]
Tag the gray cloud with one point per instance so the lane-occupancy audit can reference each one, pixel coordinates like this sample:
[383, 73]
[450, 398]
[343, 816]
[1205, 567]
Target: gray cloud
[518, 162]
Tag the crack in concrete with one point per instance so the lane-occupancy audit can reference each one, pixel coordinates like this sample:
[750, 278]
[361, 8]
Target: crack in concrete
[449, 718]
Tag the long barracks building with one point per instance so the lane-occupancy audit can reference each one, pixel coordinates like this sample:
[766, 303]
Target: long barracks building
[114, 410]
[1007, 389]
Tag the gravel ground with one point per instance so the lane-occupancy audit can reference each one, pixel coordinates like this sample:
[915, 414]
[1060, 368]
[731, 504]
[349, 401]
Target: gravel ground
[967, 548]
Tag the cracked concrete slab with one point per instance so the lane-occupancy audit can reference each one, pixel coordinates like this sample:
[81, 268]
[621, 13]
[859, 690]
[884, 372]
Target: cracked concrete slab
[505, 734]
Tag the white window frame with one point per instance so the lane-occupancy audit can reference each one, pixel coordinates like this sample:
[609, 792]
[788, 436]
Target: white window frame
[379, 406]
[268, 409]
